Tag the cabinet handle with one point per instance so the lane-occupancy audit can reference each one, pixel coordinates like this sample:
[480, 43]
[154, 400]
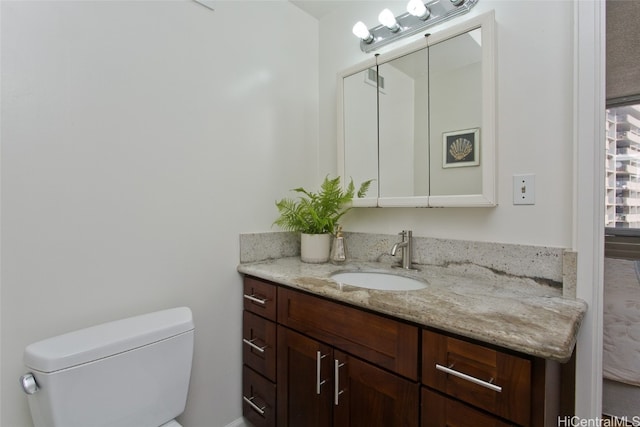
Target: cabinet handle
[254, 298]
[466, 377]
[253, 346]
[336, 389]
[319, 380]
[255, 407]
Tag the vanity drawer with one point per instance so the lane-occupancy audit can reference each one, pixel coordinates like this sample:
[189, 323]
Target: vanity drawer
[439, 410]
[259, 344]
[260, 297]
[258, 399]
[484, 377]
[388, 343]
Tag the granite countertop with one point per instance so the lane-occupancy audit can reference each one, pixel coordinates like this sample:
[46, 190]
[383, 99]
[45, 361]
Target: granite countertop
[513, 312]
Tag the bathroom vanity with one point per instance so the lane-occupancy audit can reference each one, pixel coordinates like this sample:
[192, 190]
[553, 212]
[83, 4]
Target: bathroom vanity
[469, 349]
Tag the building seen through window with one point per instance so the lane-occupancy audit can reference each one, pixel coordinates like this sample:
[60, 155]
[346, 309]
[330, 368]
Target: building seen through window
[623, 167]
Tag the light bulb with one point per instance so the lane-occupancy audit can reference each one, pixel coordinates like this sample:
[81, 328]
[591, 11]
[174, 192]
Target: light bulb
[387, 19]
[360, 30]
[417, 8]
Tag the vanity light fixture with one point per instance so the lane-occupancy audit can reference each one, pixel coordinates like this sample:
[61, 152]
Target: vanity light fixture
[387, 19]
[418, 17]
[418, 9]
[360, 30]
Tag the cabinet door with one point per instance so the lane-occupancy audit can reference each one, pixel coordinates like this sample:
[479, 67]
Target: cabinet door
[367, 396]
[259, 344]
[388, 343]
[304, 381]
[484, 377]
[259, 399]
[260, 297]
[439, 410]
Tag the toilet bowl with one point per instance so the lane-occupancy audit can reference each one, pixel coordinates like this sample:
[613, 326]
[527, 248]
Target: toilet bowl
[133, 372]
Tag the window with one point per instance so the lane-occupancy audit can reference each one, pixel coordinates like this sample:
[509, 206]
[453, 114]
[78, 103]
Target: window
[623, 167]
[622, 217]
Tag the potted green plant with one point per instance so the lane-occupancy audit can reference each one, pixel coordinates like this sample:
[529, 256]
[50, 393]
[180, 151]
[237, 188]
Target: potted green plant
[315, 215]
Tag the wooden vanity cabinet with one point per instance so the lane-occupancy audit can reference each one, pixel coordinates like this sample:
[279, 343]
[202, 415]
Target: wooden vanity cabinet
[439, 411]
[386, 342]
[320, 384]
[259, 399]
[477, 380]
[260, 297]
[313, 362]
[259, 352]
[305, 381]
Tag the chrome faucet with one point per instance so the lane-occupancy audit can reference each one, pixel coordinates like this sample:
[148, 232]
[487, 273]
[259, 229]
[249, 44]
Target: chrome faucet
[407, 249]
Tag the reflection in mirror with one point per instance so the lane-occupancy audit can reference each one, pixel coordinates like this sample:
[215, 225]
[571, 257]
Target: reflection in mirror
[360, 130]
[404, 126]
[428, 134]
[455, 79]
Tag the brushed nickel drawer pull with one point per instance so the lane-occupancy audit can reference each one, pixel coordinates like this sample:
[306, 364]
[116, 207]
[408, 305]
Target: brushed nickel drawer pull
[254, 298]
[253, 346]
[319, 380]
[469, 378]
[336, 389]
[255, 407]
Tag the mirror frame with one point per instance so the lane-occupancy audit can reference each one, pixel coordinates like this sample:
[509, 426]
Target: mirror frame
[488, 148]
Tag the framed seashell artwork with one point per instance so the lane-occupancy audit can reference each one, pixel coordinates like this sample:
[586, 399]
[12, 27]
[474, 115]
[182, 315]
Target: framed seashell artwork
[461, 148]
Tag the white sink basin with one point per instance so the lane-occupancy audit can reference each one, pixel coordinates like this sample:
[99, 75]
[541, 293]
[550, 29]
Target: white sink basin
[378, 280]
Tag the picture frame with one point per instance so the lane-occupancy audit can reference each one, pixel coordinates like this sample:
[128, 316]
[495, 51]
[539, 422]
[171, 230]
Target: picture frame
[461, 148]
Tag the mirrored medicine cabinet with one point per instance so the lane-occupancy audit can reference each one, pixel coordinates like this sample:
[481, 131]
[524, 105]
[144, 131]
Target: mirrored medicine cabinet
[421, 121]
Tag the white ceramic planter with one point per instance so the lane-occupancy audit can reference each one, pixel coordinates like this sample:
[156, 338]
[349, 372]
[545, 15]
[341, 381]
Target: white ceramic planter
[314, 248]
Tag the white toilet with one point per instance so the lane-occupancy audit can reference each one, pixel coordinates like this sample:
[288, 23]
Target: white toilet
[128, 373]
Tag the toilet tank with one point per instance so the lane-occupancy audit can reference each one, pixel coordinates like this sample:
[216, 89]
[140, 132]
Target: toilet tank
[127, 373]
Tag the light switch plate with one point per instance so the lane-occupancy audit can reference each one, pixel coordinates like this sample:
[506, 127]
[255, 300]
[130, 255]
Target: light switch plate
[524, 189]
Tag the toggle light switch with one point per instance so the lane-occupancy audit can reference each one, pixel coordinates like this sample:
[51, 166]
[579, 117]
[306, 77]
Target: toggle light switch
[524, 189]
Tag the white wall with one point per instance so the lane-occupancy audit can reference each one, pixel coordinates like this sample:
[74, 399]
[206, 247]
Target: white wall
[534, 125]
[139, 138]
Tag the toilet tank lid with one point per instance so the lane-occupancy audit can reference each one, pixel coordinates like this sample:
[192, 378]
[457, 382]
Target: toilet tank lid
[107, 339]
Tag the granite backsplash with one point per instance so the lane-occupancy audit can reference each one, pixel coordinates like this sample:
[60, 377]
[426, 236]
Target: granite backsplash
[547, 265]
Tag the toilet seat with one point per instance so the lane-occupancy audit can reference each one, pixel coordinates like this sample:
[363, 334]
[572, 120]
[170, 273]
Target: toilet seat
[172, 423]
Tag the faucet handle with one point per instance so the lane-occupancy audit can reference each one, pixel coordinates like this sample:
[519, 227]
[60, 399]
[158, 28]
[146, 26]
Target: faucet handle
[405, 234]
